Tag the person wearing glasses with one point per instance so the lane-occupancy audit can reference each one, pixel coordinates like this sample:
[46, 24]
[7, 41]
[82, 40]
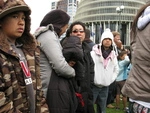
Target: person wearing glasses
[73, 53]
[77, 28]
[55, 71]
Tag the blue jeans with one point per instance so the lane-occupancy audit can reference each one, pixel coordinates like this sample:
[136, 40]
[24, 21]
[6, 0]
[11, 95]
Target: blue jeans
[100, 97]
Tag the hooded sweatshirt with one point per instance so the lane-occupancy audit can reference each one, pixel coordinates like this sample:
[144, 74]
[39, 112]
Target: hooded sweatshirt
[106, 70]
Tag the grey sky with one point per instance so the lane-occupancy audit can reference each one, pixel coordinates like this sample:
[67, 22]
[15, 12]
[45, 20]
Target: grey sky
[39, 8]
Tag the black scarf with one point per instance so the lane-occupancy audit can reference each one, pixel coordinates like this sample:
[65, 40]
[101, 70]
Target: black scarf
[106, 53]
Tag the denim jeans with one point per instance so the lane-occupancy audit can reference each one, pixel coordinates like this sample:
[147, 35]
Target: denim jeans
[100, 97]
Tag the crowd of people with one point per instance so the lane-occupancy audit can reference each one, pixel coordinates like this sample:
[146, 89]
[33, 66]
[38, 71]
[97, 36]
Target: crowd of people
[41, 74]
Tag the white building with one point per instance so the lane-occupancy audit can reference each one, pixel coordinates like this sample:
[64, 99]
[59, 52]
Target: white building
[101, 14]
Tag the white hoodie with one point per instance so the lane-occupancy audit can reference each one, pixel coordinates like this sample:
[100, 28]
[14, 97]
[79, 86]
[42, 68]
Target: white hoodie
[106, 70]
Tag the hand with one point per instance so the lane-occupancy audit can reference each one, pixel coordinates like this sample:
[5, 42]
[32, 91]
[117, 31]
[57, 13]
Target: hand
[71, 63]
[118, 43]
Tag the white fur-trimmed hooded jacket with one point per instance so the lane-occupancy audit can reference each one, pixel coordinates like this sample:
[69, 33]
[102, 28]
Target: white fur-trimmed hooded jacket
[106, 70]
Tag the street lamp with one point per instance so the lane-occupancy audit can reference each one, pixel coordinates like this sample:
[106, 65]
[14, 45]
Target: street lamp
[119, 10]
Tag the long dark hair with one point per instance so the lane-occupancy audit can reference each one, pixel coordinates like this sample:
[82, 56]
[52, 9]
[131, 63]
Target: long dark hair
[58, 18]
[76, 23]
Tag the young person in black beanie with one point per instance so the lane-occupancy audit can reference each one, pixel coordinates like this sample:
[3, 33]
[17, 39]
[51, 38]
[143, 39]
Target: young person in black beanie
[55, 71]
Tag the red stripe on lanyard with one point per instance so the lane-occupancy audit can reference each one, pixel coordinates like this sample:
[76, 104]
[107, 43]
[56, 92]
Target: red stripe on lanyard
[25, 69]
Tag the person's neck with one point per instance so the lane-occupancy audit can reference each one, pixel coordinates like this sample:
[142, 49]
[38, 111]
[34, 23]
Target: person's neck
[106, 48]
[11, 40]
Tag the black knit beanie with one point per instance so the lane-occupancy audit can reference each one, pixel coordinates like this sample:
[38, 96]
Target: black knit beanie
[57, 18]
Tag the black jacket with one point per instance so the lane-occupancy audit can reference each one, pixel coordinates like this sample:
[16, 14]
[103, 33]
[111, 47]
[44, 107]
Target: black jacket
[60, 95]
[72, 48]
[87, 82]
[84, 78]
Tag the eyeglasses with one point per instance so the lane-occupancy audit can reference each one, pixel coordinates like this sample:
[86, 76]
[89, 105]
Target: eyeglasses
[76, 31]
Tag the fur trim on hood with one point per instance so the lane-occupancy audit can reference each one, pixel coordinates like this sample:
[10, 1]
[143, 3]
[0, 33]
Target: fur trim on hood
[108, 34]
[10, 6]
[97, 50]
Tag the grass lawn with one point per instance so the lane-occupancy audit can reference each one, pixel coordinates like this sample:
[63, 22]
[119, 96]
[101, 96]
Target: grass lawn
[110, 110]
[113, 110]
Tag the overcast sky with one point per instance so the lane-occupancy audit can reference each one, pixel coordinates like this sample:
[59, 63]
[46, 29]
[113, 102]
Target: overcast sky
[39, 8]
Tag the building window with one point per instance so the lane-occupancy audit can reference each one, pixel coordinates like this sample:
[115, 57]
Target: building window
[70, 1]
[53, 3]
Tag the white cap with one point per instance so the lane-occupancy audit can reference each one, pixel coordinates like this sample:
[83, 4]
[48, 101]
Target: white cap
[107, 34]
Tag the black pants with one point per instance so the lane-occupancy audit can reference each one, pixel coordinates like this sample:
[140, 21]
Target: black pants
[111, 93]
